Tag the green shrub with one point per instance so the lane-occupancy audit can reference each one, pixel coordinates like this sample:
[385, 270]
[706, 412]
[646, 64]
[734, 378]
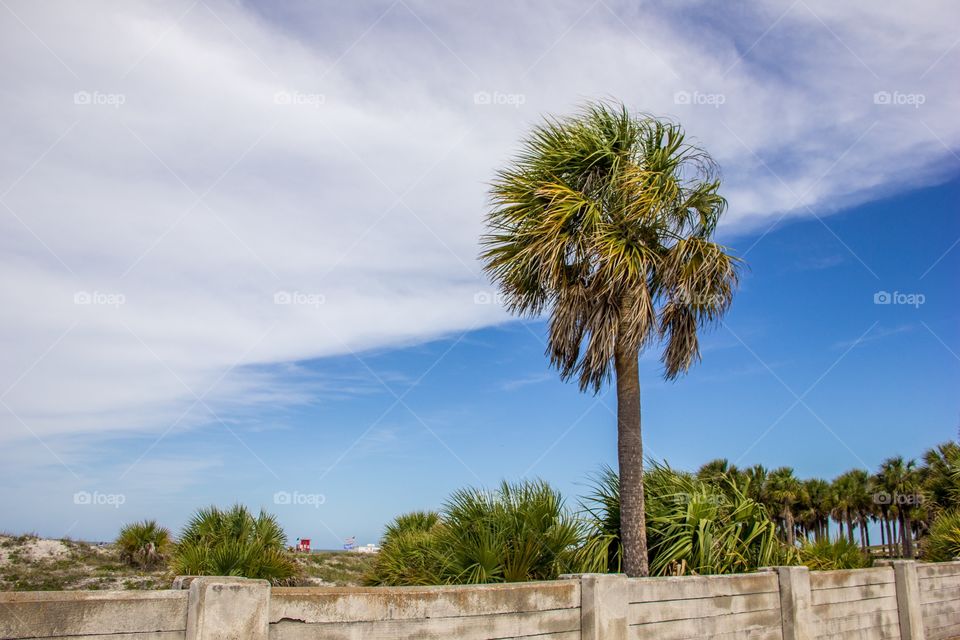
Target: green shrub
[143, 544]
[234, 543]
[824, 555]
[943, 543]
[694, 526]
[517, 532]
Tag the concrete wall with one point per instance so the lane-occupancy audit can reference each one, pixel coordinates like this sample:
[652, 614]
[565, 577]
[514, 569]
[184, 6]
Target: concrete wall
[547, 610]
[854, 604]
[904, 600]
[737, 606]
[939, 587]
[94, 615]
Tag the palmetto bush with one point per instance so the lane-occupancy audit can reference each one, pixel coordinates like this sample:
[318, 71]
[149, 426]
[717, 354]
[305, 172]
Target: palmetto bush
[144, 544]
[824, 555]
[520, 531]
[943, 543]
[233, 542]
[694, 526]
[409, 553]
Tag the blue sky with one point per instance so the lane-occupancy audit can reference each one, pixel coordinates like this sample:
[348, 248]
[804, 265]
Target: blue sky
[238, 248]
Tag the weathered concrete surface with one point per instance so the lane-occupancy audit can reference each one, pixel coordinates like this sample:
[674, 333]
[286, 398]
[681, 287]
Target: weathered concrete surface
[858, 603]
[338, 604]
[73, 613]
[728, 606]
[548, 610]
[908, 599]
[604, 601]
[228, 609]
[939, 590]
[544, 625]
[795, 607]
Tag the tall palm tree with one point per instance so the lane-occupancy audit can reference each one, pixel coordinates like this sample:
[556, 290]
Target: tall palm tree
[605, 220]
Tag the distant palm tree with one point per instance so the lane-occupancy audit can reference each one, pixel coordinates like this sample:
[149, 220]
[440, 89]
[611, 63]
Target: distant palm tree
[884, 484]
[755, 483]
[900, 482]
[785, 492]
[818, 504]
[605, 220]
[718, 469]
[861, 502]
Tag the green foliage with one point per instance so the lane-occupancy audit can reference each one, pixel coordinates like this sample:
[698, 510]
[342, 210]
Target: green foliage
[941, 476]
[943, 543]
[144, 544]
[518, 532]
[693, 526]
[409, 557]
[415, 521]
[824, 555]
[234, 543]
[601, 551]
[605, 219]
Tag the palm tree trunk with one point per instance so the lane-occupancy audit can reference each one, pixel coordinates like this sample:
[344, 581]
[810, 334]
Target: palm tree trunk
[849, 528]
[788, 522]
[908, 536]
[890, 541]
[633, 525]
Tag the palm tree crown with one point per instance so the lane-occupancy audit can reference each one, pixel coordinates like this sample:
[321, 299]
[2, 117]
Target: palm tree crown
[605, 220]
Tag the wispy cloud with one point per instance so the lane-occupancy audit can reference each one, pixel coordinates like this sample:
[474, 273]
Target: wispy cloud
[519, 383]
[821, 262]
[880, 333]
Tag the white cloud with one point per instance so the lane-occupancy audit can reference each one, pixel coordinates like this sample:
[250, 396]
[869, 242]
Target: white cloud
[214, 158]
